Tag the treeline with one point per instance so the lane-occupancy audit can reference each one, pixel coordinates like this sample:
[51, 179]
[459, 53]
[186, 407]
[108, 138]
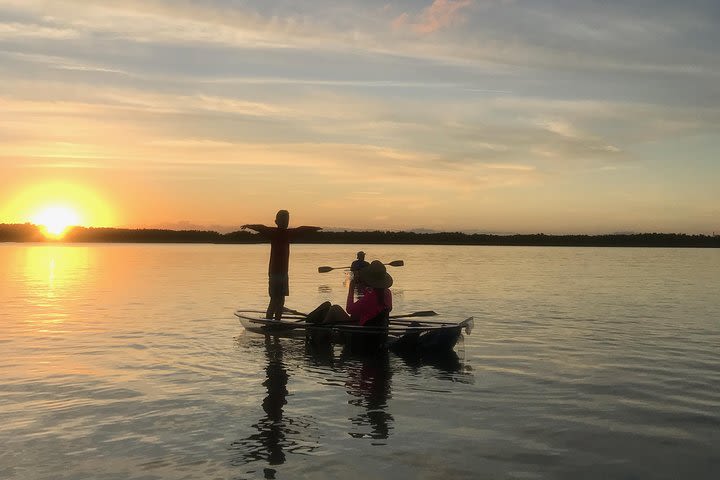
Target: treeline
[31, 233]
[539, 239]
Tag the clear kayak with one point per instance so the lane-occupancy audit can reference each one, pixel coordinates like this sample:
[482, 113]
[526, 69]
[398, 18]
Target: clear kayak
[400, 334]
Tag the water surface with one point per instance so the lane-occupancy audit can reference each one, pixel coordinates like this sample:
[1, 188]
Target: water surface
[125, 361]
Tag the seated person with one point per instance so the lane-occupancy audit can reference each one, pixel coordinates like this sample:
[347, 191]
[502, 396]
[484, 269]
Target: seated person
[376, 300]
[360, 263]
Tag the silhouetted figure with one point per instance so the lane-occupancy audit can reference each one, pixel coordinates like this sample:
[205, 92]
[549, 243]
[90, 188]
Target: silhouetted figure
[271, 437]
[372, 308]
[276, 383]
[360, 263]
[277, 433]
[280, 238]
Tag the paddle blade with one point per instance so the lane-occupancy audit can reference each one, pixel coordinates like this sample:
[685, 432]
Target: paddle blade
[396, 263]
[325, 269]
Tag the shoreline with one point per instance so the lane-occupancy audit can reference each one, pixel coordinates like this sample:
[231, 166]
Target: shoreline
[28, 233]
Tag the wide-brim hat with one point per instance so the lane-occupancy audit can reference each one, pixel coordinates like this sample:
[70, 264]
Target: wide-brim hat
[375, 275]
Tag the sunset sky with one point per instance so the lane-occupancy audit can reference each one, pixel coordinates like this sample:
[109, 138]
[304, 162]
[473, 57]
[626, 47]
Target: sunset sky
[555, 116]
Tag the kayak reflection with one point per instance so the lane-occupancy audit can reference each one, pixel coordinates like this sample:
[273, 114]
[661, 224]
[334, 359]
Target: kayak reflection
[367, 380]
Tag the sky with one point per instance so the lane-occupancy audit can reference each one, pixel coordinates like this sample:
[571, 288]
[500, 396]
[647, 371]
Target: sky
[554, 116]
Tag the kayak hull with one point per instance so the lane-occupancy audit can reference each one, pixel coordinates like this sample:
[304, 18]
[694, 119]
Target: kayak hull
[415, 337]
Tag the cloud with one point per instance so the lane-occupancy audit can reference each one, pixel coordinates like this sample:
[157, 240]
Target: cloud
[460, 96]
[439, 15]
[17, 30]
[542, 36]
[503, 166]
[214, 76]
[402, 141]
[61, 62]
[561, 128]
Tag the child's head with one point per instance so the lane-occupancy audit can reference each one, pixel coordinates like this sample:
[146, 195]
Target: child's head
[282, 219]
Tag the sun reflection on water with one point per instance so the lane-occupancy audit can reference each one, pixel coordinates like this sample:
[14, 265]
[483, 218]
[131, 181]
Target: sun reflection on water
[54, 274]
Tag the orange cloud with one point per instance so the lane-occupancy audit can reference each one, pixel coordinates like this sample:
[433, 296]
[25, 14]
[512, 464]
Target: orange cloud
[440, 14]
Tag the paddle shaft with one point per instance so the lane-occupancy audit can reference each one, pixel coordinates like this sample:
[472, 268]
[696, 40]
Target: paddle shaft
[422, 313]
[394, 263]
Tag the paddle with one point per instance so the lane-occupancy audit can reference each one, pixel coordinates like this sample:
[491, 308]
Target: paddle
[394, 263]
[285, 309]
[294, 312]
[422, 313]
[286, 318]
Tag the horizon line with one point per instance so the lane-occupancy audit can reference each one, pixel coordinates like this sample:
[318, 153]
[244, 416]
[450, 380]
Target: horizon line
[416, 231]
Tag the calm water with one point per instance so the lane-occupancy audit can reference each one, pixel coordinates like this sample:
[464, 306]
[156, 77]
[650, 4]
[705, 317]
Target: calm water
[125, 361]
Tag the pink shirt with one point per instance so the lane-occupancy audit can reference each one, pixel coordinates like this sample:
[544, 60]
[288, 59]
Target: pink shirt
[368, 306]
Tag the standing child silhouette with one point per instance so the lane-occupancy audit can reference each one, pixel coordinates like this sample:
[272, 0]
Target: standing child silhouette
[280, 238]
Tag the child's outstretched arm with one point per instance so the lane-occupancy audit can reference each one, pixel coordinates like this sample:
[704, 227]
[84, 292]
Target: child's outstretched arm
[306, 229]
[257, 227]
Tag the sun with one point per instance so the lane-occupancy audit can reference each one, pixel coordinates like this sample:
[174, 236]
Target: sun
[55, 206]
[56, 219]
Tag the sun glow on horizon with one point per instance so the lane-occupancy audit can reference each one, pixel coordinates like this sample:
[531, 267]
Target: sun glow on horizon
[56, 206]
[56, 219]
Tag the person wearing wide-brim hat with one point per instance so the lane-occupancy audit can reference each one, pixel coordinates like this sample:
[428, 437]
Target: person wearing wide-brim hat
[375, 275]
[371, 308]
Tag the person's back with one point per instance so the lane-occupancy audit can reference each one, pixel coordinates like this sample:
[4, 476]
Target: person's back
[373, 303]
[376, 297]
[360, 263]
[279, 250]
